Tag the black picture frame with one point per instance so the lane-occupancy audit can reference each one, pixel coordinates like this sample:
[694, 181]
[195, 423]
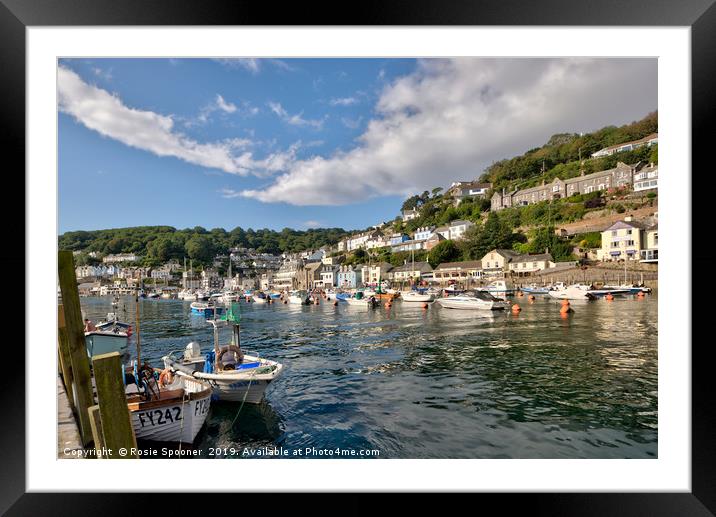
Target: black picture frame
[699, 15]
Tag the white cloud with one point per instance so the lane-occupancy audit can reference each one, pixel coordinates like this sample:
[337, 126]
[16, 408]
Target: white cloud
[295, 120]
[343, 101]
[223, 105]
[452, 118]
[103, 74]
[105, 113]
[254, 65]
[312, 224]
[250, 64]
[351, 123]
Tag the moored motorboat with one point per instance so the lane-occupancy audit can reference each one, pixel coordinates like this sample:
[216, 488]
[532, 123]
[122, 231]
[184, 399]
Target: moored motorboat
[362, 300]
[535, 289]
[416, 296]
[475, 300]
[299, 297]
[572, 292]
[260, 297]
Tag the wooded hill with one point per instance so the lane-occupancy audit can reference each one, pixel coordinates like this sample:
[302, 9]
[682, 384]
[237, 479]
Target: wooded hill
[560, 156]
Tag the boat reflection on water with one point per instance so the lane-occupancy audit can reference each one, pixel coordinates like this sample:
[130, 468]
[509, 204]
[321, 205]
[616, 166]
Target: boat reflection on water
[257, 425]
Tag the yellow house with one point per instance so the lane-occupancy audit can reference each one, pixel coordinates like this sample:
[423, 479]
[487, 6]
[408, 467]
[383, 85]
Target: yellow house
[498, 260]
[623, 240]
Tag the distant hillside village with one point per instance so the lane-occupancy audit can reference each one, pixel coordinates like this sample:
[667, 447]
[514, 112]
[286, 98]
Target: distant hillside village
[359, 259]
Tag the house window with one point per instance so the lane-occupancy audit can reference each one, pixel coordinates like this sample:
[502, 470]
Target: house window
[555, 188]
[628, 232]
[630, 243]
[614, 233]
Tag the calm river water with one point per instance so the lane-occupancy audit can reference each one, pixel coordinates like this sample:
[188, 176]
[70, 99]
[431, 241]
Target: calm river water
[434, 383]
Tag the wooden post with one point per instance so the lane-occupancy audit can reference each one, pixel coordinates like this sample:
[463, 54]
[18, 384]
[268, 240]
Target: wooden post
[116, 423]
[65, 361]
[76, 339]
[96, 425]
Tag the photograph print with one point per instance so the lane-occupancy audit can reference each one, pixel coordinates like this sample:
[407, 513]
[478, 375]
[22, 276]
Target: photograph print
[369, 258]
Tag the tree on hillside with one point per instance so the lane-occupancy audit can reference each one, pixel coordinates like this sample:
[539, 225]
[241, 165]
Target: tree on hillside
[200, 248]
[445, 251]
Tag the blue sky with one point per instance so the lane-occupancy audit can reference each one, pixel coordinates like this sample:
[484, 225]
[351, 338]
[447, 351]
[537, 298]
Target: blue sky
[300, 143]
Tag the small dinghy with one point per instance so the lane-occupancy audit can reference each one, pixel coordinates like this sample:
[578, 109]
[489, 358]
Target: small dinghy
[233, 375]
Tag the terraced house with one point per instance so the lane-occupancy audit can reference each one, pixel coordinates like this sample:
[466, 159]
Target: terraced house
[620, 176]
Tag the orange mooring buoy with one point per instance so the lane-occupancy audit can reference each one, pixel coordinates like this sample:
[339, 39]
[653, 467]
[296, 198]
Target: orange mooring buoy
[388, 305]
[516, 308]
[609, 297]
[425, 306]
[335, 303]
[520, 294]
[531, 298]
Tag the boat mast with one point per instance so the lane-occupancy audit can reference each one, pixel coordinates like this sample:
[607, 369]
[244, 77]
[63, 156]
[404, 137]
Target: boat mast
[138, 338]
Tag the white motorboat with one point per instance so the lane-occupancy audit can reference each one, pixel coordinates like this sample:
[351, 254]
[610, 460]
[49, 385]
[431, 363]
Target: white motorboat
[573, 292]
[172, 409]
[233, 375]
[476, 300]
[260, 297]
[299, 297]
[416, 296]
[362, 300]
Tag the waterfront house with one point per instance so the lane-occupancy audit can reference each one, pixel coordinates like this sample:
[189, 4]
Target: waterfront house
[311, 275]
[374, 272]
[650, 140]
[650, 249]
[497, 261]
[329, 275]
[461, 190]
[410, 272]
[210, 279]
[622, 241]
[468, 270]
[266, 281]
[526, 265]
[349, 277]
[289, 275]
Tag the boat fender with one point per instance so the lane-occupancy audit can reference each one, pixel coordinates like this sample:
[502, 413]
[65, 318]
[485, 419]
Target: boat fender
[166, 377]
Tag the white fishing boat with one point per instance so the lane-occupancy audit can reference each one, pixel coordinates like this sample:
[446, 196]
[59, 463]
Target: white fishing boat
[187, 294]
[476, 300]
[207, 309]
[416, 296]
[299, 297]
[233, 375]
[499, 289]
[165, 407]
